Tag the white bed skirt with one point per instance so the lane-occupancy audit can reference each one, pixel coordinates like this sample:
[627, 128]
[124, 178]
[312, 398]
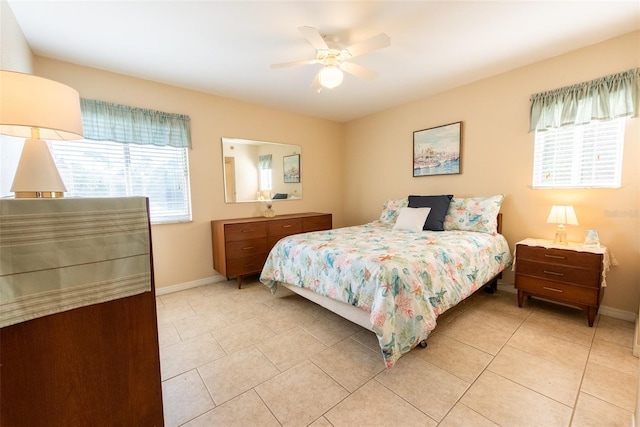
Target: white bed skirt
[349, 312]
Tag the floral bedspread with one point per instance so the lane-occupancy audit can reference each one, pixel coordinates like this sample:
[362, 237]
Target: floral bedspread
[404, 279]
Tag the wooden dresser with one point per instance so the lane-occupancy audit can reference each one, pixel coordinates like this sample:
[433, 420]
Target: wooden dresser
[566, 275]
[241, 246]
[84, 349]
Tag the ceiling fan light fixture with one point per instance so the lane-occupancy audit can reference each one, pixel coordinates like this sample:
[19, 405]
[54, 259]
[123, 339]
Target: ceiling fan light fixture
[330, 76]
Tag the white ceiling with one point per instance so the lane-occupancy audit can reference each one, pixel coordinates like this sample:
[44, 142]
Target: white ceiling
[226, 47]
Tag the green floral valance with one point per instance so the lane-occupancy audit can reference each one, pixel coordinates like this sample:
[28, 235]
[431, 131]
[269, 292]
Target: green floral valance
[604, 98]
[104, 121]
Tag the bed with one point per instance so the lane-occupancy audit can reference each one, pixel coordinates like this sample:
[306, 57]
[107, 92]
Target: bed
[397, 274]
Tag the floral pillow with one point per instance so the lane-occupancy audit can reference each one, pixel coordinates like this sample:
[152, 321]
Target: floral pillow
[474, 214]
[391, 209]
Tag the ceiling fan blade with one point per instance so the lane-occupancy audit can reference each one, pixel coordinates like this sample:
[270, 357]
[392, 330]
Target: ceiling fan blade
[376, 42]
[294, 63]
[314, 38]
[358, 70]
[315, 85]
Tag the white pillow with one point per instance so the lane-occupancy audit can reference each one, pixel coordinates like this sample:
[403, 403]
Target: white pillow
[411, 219]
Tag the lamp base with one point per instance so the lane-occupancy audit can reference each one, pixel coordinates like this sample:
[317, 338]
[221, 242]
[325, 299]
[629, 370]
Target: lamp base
[36, 174]
[39, 194]
[561, 236]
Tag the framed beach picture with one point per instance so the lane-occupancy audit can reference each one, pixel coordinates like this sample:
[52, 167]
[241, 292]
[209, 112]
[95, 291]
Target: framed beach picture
[436, 151]
[292, 168]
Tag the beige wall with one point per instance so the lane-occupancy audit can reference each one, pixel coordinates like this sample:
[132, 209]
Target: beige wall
[182, 252]
[497, 157]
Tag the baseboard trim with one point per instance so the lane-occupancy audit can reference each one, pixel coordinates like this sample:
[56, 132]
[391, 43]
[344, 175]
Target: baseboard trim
[607, 311]
[188, 285]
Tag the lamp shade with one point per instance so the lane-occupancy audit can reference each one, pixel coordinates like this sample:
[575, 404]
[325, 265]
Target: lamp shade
[30, 103]
[562, 215]
[38, 109]
[330, 76]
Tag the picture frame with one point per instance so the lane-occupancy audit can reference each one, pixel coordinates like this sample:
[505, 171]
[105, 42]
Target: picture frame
[291, 168]
[436, 151]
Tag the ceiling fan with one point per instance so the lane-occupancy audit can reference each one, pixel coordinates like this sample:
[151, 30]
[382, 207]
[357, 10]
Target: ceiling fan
[335, 58]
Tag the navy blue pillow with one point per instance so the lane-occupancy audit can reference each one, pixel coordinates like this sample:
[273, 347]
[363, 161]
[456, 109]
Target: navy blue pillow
[280, 196]
[439, 206]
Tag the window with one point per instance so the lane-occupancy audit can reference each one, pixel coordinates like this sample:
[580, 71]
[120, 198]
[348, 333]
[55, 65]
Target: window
[579, 131]
[266, 176]
[266, 179]
[578, 156]
[130, 152]
[114, 169]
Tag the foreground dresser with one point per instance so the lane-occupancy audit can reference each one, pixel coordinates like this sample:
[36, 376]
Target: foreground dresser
[78, 328]
[241, 246]
[570, 274]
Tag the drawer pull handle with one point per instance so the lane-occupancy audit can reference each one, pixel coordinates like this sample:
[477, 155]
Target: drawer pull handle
[248, 248]
[554, 256]
[552, 289]
[553, 273]
[247, 230]
[286, 226]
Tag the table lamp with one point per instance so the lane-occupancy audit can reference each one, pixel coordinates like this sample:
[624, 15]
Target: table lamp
[38, 109]
[562, 215]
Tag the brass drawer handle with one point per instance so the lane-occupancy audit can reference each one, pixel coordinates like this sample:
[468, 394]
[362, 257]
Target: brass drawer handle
[554, 256]
[552, 289]
[553, 273]
[247, 230]
[286, 226]
[248, 248]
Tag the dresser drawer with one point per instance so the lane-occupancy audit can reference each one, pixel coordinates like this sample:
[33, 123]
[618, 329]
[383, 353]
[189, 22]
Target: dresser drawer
[317, 223]
[284, 227]
[558, 272]
[247, 265]
[559, 256]
[559, 291]
[245, 248]
[244, 231]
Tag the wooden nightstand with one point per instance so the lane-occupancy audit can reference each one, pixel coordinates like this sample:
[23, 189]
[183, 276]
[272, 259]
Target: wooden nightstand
[571, 274]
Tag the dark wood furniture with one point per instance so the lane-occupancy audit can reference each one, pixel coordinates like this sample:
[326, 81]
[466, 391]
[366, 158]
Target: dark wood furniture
[97, 365]
[241, 245]
[558, 274]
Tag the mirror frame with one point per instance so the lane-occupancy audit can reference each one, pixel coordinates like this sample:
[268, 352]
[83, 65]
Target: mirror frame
[241, 175]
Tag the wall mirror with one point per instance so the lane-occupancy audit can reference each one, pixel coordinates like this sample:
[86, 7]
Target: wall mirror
[259, 170]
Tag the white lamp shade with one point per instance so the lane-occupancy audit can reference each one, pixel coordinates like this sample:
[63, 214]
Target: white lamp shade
[28, 102]
[562, 215]
[330, 76]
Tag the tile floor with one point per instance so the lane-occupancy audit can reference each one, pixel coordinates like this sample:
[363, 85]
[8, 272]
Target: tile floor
[244, 357]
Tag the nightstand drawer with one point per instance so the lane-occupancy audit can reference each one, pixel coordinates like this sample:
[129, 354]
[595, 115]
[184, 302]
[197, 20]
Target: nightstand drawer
[559, 256]
[245, 248]
[285, 227]
[559, 273]
[244, 231]
[558, 291]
